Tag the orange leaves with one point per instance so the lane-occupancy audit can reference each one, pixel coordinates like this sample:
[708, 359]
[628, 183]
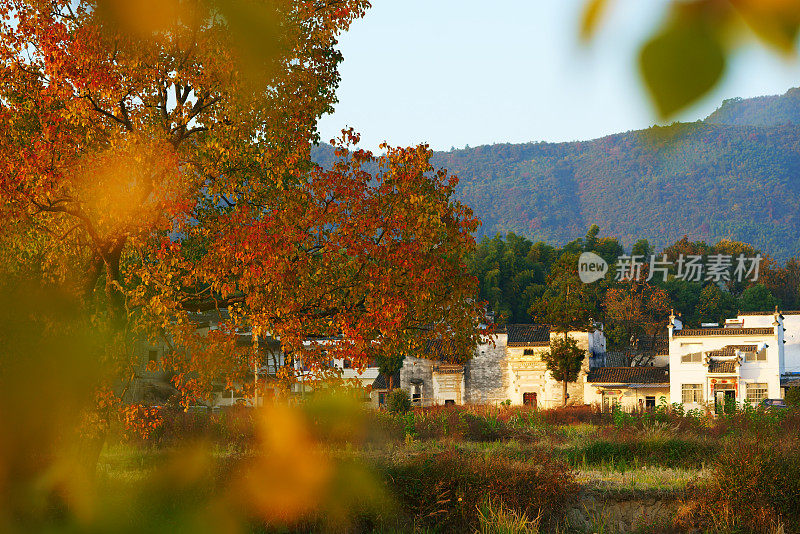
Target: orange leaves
[140, 420]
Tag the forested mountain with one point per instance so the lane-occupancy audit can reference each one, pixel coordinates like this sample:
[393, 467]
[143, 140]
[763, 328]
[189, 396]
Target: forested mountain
[735, 175]
[772, 110]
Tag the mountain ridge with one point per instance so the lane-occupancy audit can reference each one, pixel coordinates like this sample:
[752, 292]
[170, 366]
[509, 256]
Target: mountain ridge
[719, 178]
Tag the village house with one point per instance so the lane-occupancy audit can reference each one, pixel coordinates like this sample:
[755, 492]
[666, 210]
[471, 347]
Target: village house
[752, 357]
[740, 362]
[507, 367]
[635, 378]
[629, 388]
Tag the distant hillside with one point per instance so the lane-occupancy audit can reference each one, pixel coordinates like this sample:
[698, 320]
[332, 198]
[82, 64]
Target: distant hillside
[760, 111]
[735, 175]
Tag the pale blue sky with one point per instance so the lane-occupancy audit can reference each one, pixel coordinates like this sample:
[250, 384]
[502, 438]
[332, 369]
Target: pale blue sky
[457, 72]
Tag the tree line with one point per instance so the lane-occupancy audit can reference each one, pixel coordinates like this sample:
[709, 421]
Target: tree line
[524, 281]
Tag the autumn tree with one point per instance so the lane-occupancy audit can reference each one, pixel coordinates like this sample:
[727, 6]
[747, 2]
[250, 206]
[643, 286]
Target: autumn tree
[564, 360]
[159, 166]
[640, 308]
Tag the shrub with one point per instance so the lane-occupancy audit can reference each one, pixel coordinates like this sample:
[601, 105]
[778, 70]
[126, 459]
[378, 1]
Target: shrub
[398, 401]
[483, 428]
[752, 488]
[232, 426]
[629, 450]
[793, 396]
[569, 415]
[445, 491]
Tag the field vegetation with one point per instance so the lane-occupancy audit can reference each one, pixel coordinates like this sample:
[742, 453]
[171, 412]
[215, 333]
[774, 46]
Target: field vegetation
[473, 469]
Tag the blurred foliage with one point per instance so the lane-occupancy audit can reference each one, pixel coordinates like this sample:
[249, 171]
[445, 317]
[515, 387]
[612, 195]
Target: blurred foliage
[686, 56]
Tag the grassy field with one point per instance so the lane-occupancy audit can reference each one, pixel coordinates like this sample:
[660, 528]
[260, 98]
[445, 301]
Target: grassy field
[478, 469]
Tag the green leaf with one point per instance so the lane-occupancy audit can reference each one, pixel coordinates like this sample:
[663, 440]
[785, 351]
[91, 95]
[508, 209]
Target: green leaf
[681, 64]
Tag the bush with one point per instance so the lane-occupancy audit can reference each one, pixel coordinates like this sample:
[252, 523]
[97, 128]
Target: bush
[398, 401]
[232, 426]
[483, 428]
[496, 518]
[569, 415]
[793, 396]
[445, 491]
[752, 488]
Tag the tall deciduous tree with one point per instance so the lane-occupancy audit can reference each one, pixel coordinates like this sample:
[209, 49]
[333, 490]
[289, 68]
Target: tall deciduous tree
[160, 165]
[639, 307]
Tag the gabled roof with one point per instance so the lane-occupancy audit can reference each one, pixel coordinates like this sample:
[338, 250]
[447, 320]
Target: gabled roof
[703, 332]
[382, 381]
[769, 312]
[727, 367]
[527, 335]
[438, 349]
[629, 375]
[730, 350]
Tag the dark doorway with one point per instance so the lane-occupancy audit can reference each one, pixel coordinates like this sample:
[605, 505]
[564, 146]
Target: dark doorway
[529, 399]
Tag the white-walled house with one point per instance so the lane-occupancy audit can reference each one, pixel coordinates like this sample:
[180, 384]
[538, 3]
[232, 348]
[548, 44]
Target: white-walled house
[631, 388]
[790, 364]
[711, 366]
[506, 367]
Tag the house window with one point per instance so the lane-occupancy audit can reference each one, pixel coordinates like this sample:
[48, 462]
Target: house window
[152, 356]
[527, 352]
[381, 398]
[756, 392]
[347, 364]
[760, 356]
[692, 393]
[449, 402]
[649, 403]
[692, 357]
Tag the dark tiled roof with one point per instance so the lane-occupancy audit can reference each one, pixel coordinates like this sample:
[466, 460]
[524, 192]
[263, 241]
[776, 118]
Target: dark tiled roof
[629, 375]
[730, 350]
[661, 346]
[770, 312]
[209, 318]
[382, 381]
[725, 332]
[722, 366]
[439, 349]
[618, 358]
[526, 335]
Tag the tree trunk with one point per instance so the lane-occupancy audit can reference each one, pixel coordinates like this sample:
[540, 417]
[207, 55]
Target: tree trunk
[88, 455]
[564, 384]
[114, 295]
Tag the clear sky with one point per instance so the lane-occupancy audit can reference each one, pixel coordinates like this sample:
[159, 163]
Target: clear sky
[458, 72]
